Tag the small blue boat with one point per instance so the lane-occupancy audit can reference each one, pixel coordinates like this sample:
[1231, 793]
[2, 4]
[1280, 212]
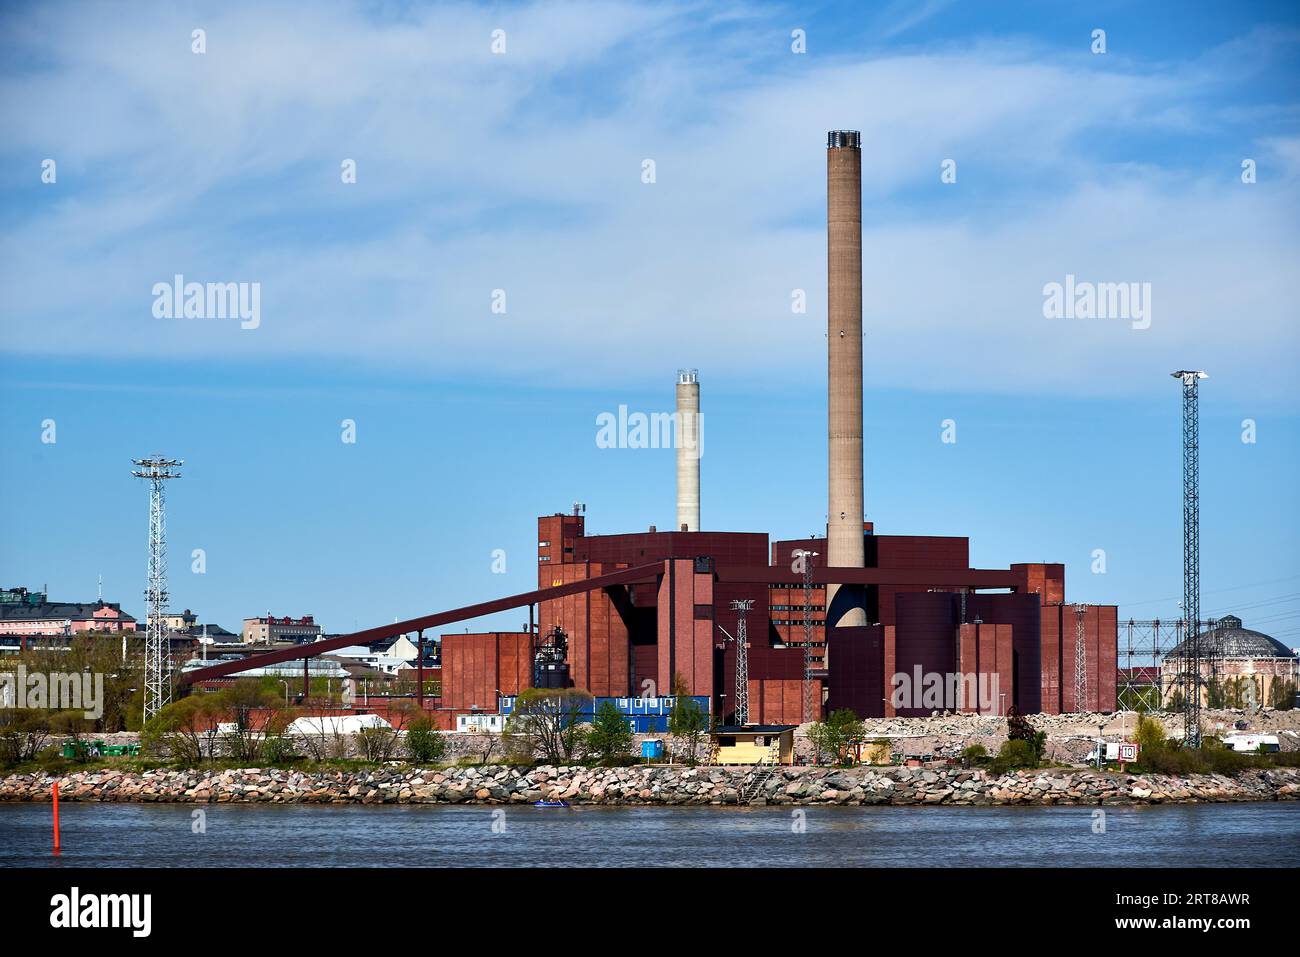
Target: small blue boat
[550, 804]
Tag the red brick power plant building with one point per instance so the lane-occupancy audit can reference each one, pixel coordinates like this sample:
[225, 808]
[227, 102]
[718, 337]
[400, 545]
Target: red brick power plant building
[913, 628]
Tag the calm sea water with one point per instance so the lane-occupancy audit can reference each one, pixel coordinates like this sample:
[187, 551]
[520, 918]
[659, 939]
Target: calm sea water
[161, 835]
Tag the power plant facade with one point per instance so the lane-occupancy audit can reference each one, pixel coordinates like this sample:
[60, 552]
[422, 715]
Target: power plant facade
[882, 624]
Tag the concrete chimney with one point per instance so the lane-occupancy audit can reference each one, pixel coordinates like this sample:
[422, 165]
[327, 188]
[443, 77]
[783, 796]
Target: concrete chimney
[845, 514]
[688, 450]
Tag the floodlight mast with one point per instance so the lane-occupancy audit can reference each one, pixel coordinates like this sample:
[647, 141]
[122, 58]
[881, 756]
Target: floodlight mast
[1191, 659]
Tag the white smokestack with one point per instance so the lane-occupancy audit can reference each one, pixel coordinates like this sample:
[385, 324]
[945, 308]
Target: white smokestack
[688, 450]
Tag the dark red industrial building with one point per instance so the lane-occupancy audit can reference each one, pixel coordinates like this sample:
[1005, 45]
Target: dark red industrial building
[987, 640]
[918, 629]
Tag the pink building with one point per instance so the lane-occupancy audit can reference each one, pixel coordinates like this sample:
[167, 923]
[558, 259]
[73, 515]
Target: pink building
[29, 613]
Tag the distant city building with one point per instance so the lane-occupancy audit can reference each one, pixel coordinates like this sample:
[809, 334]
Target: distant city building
[271, 629]
[182, 622]
[24, 612]
[213, 632]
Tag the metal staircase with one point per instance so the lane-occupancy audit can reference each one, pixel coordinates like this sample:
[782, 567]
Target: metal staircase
[752, 786]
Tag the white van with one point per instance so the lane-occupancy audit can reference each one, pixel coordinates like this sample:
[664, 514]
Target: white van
[1261, 743]
[1112, 752]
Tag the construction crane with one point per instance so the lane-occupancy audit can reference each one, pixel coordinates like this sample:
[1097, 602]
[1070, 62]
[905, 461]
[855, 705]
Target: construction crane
[1190, 666]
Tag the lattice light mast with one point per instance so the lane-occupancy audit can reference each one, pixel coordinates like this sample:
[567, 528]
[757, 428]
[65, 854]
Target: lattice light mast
[806, 557]
[742, 607]
[1191, 663]
[157, 652]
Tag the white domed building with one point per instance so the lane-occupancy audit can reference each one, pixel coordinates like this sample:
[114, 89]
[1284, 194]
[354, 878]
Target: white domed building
[1254, 669]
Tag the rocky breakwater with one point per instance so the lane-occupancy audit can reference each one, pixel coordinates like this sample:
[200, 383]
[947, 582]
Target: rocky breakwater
[663, 785]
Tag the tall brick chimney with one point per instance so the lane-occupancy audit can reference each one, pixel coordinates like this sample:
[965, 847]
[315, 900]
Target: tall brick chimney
[845, 513]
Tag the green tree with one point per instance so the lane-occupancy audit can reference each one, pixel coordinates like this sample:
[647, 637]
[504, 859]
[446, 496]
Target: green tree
[1015, 753]
[610, 738]
[185, 728]
[423, 743]
[1019, 729]
[835, 737]
[545, 723]
[257, 715]
[1150, 736]
[23, 733]
[1282, 694]
[687, 721]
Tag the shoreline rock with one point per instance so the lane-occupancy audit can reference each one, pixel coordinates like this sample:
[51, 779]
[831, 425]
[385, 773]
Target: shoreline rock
[656, 785]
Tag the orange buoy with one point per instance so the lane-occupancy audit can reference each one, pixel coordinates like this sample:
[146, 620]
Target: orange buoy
[56, 817]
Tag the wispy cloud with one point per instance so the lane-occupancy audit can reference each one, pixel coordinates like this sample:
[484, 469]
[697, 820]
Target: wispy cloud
[522, 172]
[902, 15]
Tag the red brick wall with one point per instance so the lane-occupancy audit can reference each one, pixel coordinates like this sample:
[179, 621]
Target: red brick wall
[475, 667]
[1101, 636]
[891, 666]
[780, 700]
[599, 644]
[1046, 580]
[1050, 638]
[986, 651]
[560, 533]
[685, 643]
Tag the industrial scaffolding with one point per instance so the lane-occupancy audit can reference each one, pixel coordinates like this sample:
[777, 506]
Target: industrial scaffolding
[1144, 648]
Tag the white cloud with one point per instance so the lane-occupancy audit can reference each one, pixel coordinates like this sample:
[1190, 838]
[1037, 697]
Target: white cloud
[522, 172]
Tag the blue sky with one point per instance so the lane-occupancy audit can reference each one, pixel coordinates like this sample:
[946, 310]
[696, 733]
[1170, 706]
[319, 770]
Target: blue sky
[523, 172]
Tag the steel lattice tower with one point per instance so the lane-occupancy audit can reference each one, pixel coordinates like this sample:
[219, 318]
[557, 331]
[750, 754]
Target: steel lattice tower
[1191, 664]
[1080, 659]
[157, 650]
[742, 660]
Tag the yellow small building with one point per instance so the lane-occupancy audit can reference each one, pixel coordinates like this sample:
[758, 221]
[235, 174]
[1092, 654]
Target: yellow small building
[754, 744]
[875, 752]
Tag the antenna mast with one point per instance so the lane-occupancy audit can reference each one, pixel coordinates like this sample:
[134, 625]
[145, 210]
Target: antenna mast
[742, 660]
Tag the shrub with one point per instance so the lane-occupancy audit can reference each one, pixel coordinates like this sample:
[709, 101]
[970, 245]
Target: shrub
[1150, 735]
[423, 743]
[975, 752]
[544, 723]
[835, 737]
[23, 734]
[279, 749]
[610, 738]
[376, 744]
[52, 761]
[687, 721]
[1016, 753]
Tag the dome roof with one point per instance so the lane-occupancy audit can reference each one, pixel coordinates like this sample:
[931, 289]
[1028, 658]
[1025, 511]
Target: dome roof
[1230, 640]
